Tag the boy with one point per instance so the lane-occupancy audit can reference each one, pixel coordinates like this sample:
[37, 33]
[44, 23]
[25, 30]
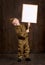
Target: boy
[22, 35]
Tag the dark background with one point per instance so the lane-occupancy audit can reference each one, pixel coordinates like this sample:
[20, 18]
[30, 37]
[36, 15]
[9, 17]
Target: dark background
[13, 8]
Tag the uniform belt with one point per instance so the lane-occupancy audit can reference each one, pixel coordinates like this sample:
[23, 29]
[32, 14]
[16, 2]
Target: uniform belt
[22, 38]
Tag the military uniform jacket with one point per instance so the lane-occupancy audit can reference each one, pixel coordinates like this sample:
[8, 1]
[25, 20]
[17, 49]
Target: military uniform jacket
[21, 31]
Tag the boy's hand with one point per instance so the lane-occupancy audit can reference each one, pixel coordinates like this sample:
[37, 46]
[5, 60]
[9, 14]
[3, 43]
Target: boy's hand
[27, 30]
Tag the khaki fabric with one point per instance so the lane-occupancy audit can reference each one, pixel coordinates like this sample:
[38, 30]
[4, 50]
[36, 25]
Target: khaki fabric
[23, 46]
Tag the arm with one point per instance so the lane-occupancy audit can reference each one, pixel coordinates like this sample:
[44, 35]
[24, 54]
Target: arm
[28, 27]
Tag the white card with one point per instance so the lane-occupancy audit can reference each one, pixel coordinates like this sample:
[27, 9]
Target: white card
[29, 13]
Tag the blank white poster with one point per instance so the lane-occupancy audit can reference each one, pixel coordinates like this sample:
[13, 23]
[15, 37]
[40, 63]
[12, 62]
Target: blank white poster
[29, 13]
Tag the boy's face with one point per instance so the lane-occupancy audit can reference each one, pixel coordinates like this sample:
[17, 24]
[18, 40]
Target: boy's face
[16, 22]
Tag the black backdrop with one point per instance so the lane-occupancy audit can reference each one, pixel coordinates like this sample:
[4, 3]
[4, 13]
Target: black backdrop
[13, 8]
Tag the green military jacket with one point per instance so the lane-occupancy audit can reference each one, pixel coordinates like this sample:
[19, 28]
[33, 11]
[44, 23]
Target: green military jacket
[21, 31]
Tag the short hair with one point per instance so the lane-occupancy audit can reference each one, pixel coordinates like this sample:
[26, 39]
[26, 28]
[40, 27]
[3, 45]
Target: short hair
[11, 19]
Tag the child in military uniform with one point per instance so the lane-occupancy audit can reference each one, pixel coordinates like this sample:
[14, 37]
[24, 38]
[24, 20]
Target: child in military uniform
[22, 35]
